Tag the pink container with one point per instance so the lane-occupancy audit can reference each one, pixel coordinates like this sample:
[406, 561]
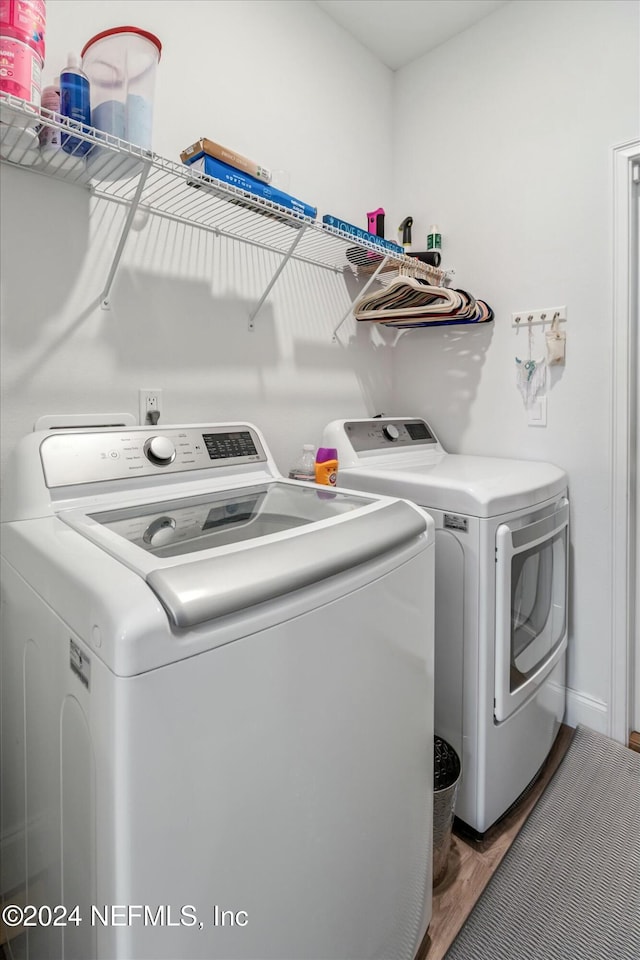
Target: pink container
[20, 70]
[24, 20]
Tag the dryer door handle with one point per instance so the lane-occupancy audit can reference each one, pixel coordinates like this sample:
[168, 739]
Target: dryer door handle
[534, 533]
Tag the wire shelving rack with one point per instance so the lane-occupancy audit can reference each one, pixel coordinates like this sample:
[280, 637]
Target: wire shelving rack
[142, 181]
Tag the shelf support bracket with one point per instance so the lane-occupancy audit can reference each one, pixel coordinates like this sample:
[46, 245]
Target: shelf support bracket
[373, 277]
[105, 303]
[287, 256]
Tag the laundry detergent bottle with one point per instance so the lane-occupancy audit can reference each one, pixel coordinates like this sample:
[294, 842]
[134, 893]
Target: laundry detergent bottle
[327, 466]
[75, 104]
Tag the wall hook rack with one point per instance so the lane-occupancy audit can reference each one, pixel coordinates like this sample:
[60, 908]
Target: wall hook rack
[524, 318]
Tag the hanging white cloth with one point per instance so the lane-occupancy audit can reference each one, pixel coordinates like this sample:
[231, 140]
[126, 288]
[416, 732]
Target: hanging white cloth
[531, 377]
[556, 343]
[531, 374]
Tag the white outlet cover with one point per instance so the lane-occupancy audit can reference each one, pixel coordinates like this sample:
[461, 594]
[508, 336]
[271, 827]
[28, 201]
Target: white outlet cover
[143, 394]
[537, 411]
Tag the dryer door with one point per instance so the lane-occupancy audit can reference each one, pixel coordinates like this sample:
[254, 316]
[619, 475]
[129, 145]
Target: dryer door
[531, 605]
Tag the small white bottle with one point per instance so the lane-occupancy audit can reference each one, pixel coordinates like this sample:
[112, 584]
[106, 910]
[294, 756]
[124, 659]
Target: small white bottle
[305, 466]
[50, 137]
[434, 238]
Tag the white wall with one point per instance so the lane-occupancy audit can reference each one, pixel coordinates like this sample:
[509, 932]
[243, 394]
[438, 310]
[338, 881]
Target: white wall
[503, 137]
[279, 82]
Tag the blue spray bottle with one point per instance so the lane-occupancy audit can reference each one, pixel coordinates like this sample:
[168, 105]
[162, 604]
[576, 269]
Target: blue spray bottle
[75, 104]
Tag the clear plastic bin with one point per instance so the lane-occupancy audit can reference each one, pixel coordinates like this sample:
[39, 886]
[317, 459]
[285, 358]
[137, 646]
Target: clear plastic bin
[121, 66]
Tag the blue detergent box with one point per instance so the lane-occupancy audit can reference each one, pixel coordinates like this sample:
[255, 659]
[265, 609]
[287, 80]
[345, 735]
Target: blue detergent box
[236, 178]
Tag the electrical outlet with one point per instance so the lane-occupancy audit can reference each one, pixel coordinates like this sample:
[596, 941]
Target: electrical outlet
[150, 402]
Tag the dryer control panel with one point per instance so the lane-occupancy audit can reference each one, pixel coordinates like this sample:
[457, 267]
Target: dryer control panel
[383, 433]
[89, 457]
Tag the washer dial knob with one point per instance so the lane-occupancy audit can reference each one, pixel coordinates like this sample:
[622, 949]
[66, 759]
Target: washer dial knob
[160, 450]
[391, 432]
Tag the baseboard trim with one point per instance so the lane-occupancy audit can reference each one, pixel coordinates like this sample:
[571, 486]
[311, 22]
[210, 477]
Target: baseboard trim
[581, 708]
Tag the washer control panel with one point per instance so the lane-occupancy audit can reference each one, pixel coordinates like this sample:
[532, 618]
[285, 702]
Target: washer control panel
[74, 458]
[386, 434]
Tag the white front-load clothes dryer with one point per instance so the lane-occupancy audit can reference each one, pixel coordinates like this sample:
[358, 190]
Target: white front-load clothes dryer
[217, 715]
[502, 530]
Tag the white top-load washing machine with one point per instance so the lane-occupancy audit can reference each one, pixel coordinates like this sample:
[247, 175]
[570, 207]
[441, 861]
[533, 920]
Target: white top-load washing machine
[501, 597]
[217, 705]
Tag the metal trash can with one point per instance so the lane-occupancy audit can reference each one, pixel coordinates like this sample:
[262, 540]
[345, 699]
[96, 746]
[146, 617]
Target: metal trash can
[446, 775]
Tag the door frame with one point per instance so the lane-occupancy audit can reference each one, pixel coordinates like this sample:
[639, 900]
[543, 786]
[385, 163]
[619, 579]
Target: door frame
[624, 452]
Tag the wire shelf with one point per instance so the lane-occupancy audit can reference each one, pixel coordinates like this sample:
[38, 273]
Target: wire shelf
[114, 170]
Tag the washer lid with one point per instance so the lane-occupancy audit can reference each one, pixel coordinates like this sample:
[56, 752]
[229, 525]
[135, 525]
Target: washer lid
[215, 554]
[475, 486]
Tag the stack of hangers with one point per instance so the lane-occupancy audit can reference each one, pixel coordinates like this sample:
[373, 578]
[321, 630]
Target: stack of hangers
[410, 302]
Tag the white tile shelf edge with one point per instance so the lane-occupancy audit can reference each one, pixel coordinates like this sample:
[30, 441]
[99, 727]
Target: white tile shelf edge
[143, 181]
